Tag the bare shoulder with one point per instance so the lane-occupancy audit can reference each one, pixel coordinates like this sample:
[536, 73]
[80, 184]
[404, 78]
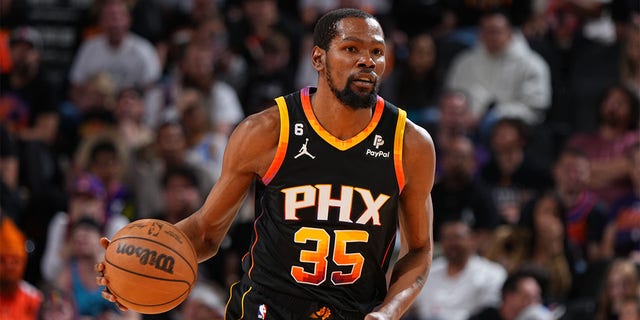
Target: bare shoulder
[419, 157]
[417, 141]
[253, 143]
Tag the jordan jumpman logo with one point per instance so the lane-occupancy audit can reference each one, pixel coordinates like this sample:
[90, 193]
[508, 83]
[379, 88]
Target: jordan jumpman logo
[303, 150]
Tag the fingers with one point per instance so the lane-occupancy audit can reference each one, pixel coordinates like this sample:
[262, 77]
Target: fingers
[111, 298]
[104, 242]
[100, 279]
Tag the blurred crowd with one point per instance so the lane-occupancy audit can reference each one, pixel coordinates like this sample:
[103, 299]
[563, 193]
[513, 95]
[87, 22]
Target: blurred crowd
[117, 110]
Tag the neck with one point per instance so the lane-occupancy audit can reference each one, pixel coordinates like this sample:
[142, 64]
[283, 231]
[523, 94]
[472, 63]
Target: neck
[507, 313]
[610, 132]
[453, 269]
[569, 196]
[115, 41]
[341, 121]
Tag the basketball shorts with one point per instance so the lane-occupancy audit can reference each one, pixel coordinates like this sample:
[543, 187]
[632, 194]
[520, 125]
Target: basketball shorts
[249, 300]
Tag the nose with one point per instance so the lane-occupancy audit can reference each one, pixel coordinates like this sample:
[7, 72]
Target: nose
[366, 61]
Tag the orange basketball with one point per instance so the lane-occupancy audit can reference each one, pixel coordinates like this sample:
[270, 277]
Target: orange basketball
[150, 266]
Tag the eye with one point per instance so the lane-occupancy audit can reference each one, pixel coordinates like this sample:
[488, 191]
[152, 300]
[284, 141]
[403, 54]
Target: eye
[378, 52]
[351, 49]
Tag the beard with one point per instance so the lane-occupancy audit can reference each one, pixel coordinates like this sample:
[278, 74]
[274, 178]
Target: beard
[350, 98]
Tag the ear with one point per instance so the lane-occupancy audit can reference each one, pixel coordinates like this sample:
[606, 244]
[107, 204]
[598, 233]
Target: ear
[318, 56]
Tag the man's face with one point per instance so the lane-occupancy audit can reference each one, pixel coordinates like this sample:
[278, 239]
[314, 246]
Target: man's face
[181, 197]
[25, 57]
[572, 172]
[459, 162]
[528, 293]
[12, 268]
[454, 113]
[170, 143]
[616, 109]
[115, 19]
[354, 62]
[495, 33]
[422, 56]
[508, 147]
[456, 240]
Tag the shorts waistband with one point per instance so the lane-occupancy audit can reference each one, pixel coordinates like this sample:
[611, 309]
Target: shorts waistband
[300, 305]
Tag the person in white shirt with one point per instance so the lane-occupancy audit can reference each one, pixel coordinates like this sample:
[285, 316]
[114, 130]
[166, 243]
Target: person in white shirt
[502, 75]
[128, 58]
[460, 282]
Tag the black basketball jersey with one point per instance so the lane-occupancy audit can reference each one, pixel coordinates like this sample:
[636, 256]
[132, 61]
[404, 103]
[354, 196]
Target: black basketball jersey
[327, 218]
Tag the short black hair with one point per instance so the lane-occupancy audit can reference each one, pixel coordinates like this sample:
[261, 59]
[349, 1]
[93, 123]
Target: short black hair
[512, 282]
[186, 172]
[103, 145]
[326, 27]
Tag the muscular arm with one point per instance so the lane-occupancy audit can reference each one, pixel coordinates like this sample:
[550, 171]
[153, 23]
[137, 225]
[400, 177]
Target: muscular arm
[248, 154]
[410, 271]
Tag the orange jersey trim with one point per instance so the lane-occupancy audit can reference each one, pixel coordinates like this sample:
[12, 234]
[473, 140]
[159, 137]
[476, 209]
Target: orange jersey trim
[283, 142]
[386, 253]
[398, 147]
[226, 307]
[339, 144]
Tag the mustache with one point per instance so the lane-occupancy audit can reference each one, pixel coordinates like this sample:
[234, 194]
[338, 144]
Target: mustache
[367, 73]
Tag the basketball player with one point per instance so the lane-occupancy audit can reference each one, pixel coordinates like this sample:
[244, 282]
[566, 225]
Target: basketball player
[341, 170]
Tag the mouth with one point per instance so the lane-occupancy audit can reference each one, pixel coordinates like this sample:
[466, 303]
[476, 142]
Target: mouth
[365, 80]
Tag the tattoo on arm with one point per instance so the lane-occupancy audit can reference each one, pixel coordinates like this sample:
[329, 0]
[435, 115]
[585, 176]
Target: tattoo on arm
[420, 281]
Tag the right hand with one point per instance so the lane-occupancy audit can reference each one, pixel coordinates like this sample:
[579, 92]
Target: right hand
[101, 281]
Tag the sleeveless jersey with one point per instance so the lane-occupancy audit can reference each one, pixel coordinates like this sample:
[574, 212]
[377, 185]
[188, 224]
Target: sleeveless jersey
[327, 216]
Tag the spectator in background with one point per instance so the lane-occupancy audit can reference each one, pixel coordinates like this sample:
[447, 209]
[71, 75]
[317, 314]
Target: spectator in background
[87, 198]
[105, 157]
[271, 77]
[204, 145]
[57, 305]
[460, 282]
[512, 174]
[502, 75]
[180, 193]
[129, 113]
[149, 163]
[453, 119]
[259, 18]
[415, 84]
[27, 107]
[608, 145]
[128, 58]
[230, 66]
[620, 283]
[547, 248]
[620, 236]
[88, 111]
[585, 213]
[205, 302]
[459, 194]
[18, 298]
[521, 294]
[197, 71]
[77, 275]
